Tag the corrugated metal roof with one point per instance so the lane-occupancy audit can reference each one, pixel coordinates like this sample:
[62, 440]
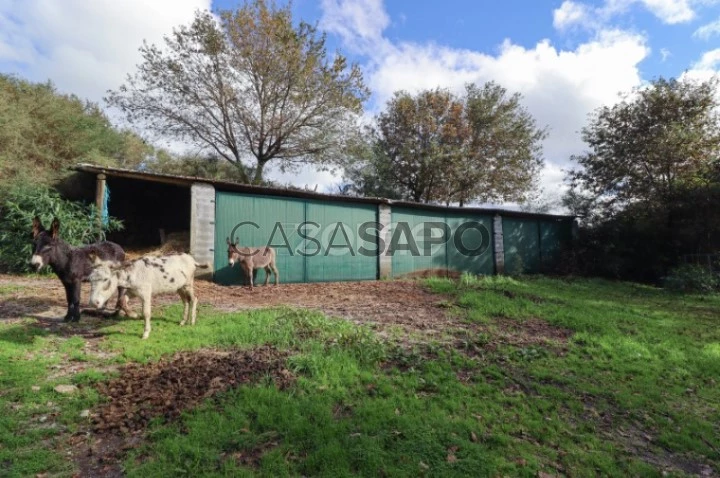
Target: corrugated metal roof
[187, 181]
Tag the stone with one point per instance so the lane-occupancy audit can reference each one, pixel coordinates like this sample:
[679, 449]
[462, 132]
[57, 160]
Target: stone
[66, 389]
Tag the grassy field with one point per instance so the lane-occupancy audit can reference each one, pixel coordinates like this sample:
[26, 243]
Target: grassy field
[546, 377]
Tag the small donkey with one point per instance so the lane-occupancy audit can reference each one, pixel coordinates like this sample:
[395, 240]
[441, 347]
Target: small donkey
[145, 277]
[71, 264]
[252, 258]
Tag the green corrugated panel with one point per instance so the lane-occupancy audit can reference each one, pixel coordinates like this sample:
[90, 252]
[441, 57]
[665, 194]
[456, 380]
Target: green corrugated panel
[284, 223]
[336, 256]
[278, 220]
[555, 236]
[449, 255]
[551, 242]
[470, 248]
[521, 241]
[409, 222]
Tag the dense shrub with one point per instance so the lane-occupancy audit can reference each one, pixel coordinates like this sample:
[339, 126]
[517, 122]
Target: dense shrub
[18, 207]
[691, 278]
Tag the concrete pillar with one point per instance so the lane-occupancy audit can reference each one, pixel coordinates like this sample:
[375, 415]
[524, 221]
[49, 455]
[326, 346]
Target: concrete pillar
[385, 260]
[202, 227]
[498, 244]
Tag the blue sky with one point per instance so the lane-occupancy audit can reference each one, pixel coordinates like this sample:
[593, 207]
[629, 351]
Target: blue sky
[566, 58]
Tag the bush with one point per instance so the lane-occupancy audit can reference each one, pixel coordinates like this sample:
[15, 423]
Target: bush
[691, 278]
[78, 223]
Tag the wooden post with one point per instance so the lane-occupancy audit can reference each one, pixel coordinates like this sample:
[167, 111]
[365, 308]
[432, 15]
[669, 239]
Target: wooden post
[100, 200]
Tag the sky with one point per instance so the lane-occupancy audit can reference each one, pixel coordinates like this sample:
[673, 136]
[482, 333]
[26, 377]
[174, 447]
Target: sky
[566, 58]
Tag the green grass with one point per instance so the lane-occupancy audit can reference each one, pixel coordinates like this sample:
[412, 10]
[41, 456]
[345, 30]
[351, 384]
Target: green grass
[635, 390]
[7, 289]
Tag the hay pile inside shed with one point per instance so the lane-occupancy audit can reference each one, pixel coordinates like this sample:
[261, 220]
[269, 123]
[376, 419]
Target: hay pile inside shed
[173, 242]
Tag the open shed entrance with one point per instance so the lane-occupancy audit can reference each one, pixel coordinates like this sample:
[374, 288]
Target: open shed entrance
[152, 212]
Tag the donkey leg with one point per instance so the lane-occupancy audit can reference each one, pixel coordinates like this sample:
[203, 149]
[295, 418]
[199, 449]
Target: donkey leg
[249, 272]
[75, 307]
[193, 298]
[186, 304]
[275, 272]
[122, 302]
[69, 298]
[267, 274]
[146, 297]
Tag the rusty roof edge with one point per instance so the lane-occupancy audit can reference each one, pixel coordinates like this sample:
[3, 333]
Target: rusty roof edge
[288, 192]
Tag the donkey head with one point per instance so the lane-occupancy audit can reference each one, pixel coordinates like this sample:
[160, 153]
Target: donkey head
[104, 279]
[44, 242]
[232, 252]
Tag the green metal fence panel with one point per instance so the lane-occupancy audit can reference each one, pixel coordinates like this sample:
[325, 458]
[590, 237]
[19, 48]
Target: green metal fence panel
[411, 251]
[255, 221]
[470, 248]
[554, 237]
[521, 242]
[318, 241]
[447, 241]
[335, 253]
[314, 241]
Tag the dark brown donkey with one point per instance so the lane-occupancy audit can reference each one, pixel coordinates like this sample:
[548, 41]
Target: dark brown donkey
[253, 258]
[71, 264]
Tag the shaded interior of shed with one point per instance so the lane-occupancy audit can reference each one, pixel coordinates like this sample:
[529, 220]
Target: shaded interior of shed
[150, 211]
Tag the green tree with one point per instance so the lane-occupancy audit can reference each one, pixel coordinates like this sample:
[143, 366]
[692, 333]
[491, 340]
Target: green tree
[210, 167]
[24, 201]
[439, 147]
[43, 133]
[249, 87]
[646, 187]
[656, 140]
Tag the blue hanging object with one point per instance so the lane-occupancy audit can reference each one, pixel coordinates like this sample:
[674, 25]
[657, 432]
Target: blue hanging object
[104, 214]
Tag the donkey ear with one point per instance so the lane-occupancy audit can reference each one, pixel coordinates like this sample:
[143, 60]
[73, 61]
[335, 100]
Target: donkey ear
[94, 259]
[55, 228]
[37, 226]
[228, 241]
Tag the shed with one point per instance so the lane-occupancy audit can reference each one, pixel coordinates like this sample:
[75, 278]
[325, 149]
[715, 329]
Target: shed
[324, 237]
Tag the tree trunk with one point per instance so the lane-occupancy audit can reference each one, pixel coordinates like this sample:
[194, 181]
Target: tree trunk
[243, 174]
[258, 177]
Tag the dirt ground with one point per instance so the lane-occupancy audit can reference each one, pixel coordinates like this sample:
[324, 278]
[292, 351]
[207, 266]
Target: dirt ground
[401, 304]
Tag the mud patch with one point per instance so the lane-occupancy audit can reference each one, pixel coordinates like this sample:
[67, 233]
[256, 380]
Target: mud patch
[428, 273]
[525, 333]
[169, 386]
[165, 389]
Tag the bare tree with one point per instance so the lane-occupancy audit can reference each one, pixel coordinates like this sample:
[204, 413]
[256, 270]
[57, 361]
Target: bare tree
[247, 85]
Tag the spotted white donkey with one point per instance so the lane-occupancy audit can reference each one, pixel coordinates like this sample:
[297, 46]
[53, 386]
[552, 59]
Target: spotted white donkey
[144, 277]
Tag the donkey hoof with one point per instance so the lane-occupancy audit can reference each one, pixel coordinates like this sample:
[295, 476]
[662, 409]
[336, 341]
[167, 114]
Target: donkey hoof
[67, 318]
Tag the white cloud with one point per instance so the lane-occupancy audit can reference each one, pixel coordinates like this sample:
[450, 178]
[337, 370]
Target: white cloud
[360, 23]
[670, 11]
[709, 30]
[85, 47]
[571, 14]
[559, 87]
[706, 68]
